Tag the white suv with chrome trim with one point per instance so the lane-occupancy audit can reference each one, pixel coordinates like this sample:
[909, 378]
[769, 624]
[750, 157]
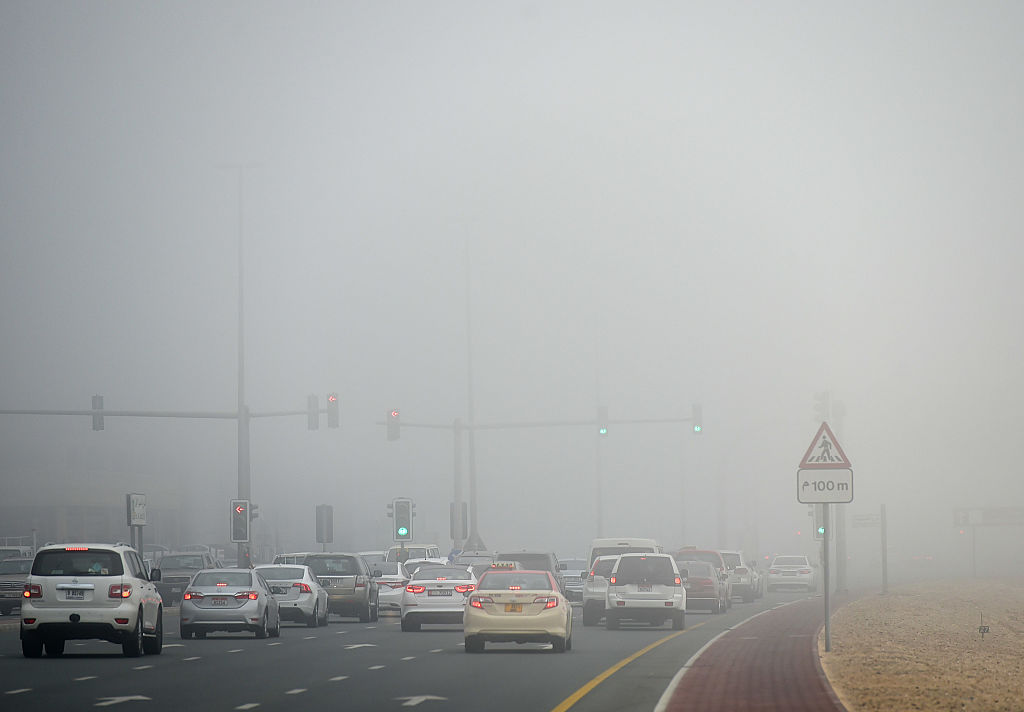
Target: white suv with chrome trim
[83, 591]
[648, 588]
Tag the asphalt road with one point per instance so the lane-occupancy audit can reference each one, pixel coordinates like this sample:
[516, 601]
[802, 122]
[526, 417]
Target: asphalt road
[360, 666]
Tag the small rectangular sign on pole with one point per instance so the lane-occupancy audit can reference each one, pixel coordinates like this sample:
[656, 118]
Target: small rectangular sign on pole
[136, 509]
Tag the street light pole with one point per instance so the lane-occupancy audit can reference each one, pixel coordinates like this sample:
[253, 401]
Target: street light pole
[244, 470]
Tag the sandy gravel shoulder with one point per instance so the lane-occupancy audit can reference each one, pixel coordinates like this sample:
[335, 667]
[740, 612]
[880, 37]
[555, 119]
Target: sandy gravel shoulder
[918, 648]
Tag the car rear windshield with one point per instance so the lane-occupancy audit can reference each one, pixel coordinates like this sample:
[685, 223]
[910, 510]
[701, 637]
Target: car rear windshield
[182, 561]
[15, 566]
[514, 580]
[282, 573]
[790, 561]
[731, 560]
[696, 569]
[712, 557]
[645, 569]
[91, 562]
[616, 550]
[541, 562]
[389, 568]
[437, 572]
[604, 567]
[333, 565]
[229, 578]
[412, 552]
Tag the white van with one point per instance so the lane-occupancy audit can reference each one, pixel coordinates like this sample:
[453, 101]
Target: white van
[622, 545]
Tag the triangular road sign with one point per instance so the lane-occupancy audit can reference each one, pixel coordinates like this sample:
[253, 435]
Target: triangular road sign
[825, 452]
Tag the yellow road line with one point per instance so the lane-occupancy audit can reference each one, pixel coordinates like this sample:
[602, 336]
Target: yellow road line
[580, 693]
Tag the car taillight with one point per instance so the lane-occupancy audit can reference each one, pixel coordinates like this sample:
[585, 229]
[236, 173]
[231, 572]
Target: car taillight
[479, 601]
[415, 588]
[515, 588]
[441, 578]
[773, 571]
[465, 588]
[590, 576]
[679, 581]
[76, 548]
[189, 595]
[303, 587]
[612, 580]
[119, 590]
[548, 601]
[805, 571]
[251, 595]
[32, 591]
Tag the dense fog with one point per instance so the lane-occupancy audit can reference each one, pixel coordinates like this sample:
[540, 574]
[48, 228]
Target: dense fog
[637, 206]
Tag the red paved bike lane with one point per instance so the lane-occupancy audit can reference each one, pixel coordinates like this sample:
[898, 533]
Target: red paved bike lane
[768, 663]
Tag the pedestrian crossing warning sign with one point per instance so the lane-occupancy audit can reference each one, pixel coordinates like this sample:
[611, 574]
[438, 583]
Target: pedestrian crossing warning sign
[825, 452]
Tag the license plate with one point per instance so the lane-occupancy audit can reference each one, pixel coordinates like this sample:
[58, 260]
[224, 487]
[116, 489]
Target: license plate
[439, 592]
[220, 601]
[645, 588]
[513, 608]
[75, 595]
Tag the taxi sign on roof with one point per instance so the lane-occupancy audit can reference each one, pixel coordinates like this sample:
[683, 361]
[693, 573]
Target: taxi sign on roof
[505, 565]
[825, 453]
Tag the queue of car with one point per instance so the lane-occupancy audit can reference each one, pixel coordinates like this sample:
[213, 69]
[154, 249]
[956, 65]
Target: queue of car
[107, 592]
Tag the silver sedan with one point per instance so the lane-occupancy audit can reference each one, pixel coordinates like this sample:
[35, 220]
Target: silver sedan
[232, 600]
[300, 597]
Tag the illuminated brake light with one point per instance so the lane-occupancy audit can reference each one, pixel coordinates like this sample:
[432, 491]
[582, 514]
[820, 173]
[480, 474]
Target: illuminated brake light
[222, 584]
[415, 588]
[119, 590]
[773, 571]
[303, 587]
[465, 588]
[805, 571]
[76, 548]
[251, 595]
[678, 581]
[441, 578]
[479, 601]
[613, 580]
[32, 591]
[189, 595]
[515, 588]
[548, 601]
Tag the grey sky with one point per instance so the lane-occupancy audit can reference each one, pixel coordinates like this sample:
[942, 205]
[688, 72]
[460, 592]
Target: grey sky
[665, 203]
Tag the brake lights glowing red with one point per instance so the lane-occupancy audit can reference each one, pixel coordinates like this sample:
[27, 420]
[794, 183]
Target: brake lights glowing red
[415, 588]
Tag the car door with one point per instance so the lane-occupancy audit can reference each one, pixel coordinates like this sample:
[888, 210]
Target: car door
[147, 590]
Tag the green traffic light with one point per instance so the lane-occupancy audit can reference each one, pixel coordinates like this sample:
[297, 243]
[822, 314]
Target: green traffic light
[602, 431]
[403, 531]
[821, 530]
[697, 428]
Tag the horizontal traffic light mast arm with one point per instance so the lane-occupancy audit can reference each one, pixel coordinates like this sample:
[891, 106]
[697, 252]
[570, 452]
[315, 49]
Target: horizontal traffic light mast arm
[538, 424]
[223, 415]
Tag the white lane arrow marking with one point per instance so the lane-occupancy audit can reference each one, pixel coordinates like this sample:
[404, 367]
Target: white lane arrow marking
[418, 699]
[108, 701]
[360, 645]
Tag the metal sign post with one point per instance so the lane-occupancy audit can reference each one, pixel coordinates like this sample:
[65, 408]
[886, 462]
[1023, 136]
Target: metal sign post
[826, 542]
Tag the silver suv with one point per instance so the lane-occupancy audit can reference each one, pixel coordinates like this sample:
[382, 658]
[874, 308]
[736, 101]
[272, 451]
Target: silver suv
[648, 588]
[83, 591]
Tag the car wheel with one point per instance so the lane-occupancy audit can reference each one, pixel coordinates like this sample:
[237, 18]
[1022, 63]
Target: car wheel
[153, 646]
[364, 616]
[568, 642]
[716, 607]
[314, 618]
[185, 633]
[261, 632]
[558, 645]
[679, 620]
[132, 645]
[31, 645]
[375, 613]
[324, 620]
[410, 626]
[54, 647]
[591, 613]
[611, 620]
[275, 632]
[474, 644]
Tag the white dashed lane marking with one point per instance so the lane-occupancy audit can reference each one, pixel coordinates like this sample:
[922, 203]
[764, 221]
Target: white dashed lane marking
[411, 657]
[272, 644]
[310, 637]
[376, 667]
[142, 667]
[339, 678]
[437, 650]
[83, 679]
[194, 657]
[248, 706]
[18, 691]
[236, 650]
[296, 691]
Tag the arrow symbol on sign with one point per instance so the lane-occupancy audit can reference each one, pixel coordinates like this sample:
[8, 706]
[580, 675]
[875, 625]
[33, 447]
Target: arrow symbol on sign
[108, 701]
[360, 645]
[413, 701]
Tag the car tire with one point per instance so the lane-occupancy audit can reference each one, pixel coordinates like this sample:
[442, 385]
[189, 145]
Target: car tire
[261, 632]
[375, 612]
[558, 645]
[364, 616]
[314, 618]
[410, 626]
[568, 641]
[155, 644]
[275, 632]
[474, 644]
[31, 645]
[325, 619]
[131, 647]
[591, 614]
[611, 620]
[54, 647]
[716, 607]
[184, 632]
[679, 620]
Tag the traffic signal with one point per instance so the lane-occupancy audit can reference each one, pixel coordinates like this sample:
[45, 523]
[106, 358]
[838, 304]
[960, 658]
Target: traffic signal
[313, 412]
[697, 418]
[240, 521]
[823, 406]
[324, 524]
[254, 511]
[332, 410]
[394, 424]
[602, 420]
[97, 420]
[403, 514]
[819, 521]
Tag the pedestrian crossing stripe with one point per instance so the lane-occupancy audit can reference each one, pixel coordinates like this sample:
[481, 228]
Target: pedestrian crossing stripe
[825, 453]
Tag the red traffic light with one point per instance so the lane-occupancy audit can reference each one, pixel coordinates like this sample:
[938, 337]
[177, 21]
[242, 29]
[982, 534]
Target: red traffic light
[332, 398]
[394, 413]
[239, 508]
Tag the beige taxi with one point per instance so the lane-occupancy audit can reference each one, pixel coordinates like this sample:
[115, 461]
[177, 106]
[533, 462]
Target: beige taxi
[516, 606]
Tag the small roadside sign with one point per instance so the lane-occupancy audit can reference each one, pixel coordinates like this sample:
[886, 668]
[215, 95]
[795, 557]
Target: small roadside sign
[825, 453]
[867, 520]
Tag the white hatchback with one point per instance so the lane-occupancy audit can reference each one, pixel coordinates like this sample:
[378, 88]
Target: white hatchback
[647, 588]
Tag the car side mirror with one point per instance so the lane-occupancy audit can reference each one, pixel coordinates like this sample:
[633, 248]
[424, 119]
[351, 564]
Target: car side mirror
[154, 575]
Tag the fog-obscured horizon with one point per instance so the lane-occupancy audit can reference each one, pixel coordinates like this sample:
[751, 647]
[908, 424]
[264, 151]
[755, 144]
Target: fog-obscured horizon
[653, 205]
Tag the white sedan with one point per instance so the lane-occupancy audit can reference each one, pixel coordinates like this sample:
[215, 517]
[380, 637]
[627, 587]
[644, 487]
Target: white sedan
[299, 595]
[436, 595]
